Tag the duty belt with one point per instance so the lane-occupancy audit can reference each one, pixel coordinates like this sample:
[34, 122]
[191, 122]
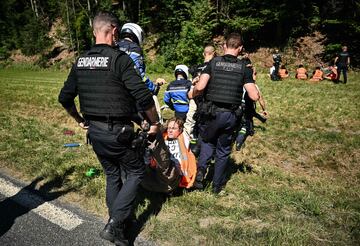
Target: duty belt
[224, 107]
[108, 119]
[224, 110]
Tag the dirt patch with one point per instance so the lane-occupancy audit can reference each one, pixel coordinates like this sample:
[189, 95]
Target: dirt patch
[254, 224]
[209, 221]
[59, 52]
[306, 50]
[150, 47]
[18, 57]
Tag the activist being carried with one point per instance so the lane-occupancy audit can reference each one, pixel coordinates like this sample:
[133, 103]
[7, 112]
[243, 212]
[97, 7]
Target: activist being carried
[110, 91]
[222, 83]
[172, 164]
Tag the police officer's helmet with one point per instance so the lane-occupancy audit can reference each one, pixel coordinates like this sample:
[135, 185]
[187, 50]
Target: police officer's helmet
[182, 69]
[133, 30]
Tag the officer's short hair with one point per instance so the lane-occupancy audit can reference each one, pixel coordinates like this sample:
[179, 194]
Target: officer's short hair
[105, 19]
[234, 40]
[209, 49]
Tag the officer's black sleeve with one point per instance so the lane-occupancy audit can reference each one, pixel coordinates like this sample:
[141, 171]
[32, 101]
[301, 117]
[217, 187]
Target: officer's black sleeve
[248, 75]
[133, 82]
[207, 68]
[188, 85]
[69, 90]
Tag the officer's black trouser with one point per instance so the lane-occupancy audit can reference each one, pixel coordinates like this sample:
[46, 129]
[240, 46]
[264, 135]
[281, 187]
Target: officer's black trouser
[247, 124]
[343, 69]
[115, 156]
[217, 136]
[181, 115]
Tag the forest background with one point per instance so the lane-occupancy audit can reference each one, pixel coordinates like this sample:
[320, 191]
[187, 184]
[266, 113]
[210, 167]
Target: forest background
[53, 32]
[296, 182]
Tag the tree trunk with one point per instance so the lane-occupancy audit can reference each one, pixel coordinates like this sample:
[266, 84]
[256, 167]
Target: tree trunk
[34, 7]
[89, 12]
[76, 34]
[68, 23]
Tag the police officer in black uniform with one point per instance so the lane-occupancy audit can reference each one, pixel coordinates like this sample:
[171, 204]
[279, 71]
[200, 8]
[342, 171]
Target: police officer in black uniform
[222, 83]
[277, 62]
[109, 89]
[342, 61]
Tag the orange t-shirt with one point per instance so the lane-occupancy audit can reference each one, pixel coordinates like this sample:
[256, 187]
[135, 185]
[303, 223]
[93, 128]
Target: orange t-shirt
[318, 75]
[301, 73]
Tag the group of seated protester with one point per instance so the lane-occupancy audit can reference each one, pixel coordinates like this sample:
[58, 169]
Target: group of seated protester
[318, 74]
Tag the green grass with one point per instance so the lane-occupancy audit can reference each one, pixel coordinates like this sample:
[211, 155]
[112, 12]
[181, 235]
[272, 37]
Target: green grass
[296, 182]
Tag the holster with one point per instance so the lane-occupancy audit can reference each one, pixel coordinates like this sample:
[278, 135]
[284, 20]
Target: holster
[206, 111]
[239, 112]
[126, 134]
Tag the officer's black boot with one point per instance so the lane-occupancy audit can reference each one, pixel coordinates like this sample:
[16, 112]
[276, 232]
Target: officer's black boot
[216, 189]
[108, 232]
[198, 184]
[119, 236]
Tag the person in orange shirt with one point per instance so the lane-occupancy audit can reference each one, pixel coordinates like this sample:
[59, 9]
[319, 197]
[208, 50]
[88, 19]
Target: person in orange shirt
[171, 162]
[283, 72]
[317, 75]
[331, 73]
[301, 73]
[180, 153]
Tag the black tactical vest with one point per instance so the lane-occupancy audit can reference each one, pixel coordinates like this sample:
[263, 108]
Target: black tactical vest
[343, 58]
[101, 91]
[227, 80]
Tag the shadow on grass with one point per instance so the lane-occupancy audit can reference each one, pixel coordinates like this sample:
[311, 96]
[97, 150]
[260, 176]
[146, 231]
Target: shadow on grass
[156, 200]
[10, 209]
[231, 169]
[260, 127]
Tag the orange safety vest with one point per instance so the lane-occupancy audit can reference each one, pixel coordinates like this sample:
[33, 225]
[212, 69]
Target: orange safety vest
[282, 73]
[318, 75]
[187, 161]
[301, 73]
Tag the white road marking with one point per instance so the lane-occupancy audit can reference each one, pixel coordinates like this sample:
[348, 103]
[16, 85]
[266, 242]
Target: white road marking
[59, 216]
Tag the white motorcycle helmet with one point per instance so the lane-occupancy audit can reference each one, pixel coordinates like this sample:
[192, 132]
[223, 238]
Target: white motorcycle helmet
[182, 69]
[134, 30]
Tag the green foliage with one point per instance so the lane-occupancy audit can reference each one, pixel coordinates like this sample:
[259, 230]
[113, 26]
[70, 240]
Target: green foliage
[158, 66]
[195, 33]
[34, 38]
[246, 24]
[4, 52]
[82, 31]
[183, 27]
[331, 50]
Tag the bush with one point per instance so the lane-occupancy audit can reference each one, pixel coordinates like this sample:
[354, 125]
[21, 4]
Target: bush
[34, 37]
[196, 31]
[4, 53]
[330, 51]
[157, 66]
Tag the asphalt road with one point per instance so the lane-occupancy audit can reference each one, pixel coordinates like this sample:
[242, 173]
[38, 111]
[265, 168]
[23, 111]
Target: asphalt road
[27, 218]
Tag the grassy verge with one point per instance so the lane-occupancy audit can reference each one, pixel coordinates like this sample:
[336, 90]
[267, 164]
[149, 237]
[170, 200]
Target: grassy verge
[296, 182]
